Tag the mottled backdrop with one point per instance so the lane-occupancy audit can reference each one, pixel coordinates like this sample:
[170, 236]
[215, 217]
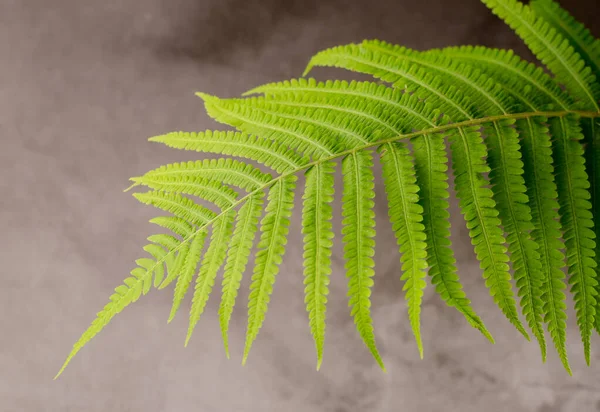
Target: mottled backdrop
[83, 83]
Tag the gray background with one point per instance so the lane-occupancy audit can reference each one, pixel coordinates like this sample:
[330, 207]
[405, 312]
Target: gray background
[83, 84]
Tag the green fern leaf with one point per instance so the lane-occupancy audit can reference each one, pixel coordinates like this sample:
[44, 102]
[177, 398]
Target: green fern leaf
[176, 225]
[431, 165]
[406, 215]
[479, 210]
[226, 171]
[580, 38]
[245, 119]
[396, 107]
[180, 251]
[550, 48]
[509, 193]
[274, 228]
[237, 259]
[525, 150]
[211, 263]
[542, 194]
[124, 295]
[178, 205]
[591, 132]
[187, 270]
[358, 233]
[403, 74]
[576, 220]
[318, 240]
[484, 94]
[158, 253]
[524, 81]
[268, 152]
[588, 49]
[210, 190]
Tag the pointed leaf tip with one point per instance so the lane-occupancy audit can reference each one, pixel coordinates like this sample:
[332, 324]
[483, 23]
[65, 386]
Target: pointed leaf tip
[308, 68]
[159, 138]
[136, 182]
[206, 97]
[255, 90]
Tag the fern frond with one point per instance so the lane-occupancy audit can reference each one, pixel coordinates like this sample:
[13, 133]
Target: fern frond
[481, 215]
[509, 193]
[431, 165]
[176, 225]
[226, 171]
[591, 132]
[280, 130]
[351, 107]
[525, 149]
[483, 92]
[210, 190]
[187, 270]
[268, 152]
[211, 263]
[179, 206]
[331, 118]
[579, 37]
[237, 258]
[318, 240]
[157, 253]
[406, 215]
[526, 82]
[129, 292]
[588, 48]
[542, 194]
[576, 220]
[551, 48]
[274, 230]
[358, 232]
[401, 73]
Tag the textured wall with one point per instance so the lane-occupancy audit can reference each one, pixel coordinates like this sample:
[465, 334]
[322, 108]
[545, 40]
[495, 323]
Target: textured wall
[82, 84]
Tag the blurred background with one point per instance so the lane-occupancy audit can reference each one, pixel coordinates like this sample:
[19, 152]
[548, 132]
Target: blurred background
[82, 85]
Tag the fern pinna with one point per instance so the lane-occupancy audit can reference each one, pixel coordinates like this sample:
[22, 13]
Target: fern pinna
[525, 147]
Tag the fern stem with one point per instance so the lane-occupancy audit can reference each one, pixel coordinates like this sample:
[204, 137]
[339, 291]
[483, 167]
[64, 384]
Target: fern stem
[450, 126]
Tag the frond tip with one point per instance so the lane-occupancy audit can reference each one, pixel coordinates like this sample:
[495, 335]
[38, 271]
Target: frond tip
[525, 154]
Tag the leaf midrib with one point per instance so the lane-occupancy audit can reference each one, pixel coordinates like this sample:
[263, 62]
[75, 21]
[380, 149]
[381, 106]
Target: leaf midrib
[376, 143]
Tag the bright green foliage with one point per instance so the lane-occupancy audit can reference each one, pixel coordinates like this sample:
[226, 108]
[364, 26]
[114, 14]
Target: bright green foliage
[186, 271]
[237, 259]
[580, 38]
[406, 215]
[525, 151]
[318, 240]
[359, 246]
[212, 262]
[274, 228]
[509, 193]
[431, 165]
[552, 49]
[576, 220]
[481, 216]
[542, 193]
[588, 48]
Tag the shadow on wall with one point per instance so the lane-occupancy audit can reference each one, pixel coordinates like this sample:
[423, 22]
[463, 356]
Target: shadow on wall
[212, 30]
